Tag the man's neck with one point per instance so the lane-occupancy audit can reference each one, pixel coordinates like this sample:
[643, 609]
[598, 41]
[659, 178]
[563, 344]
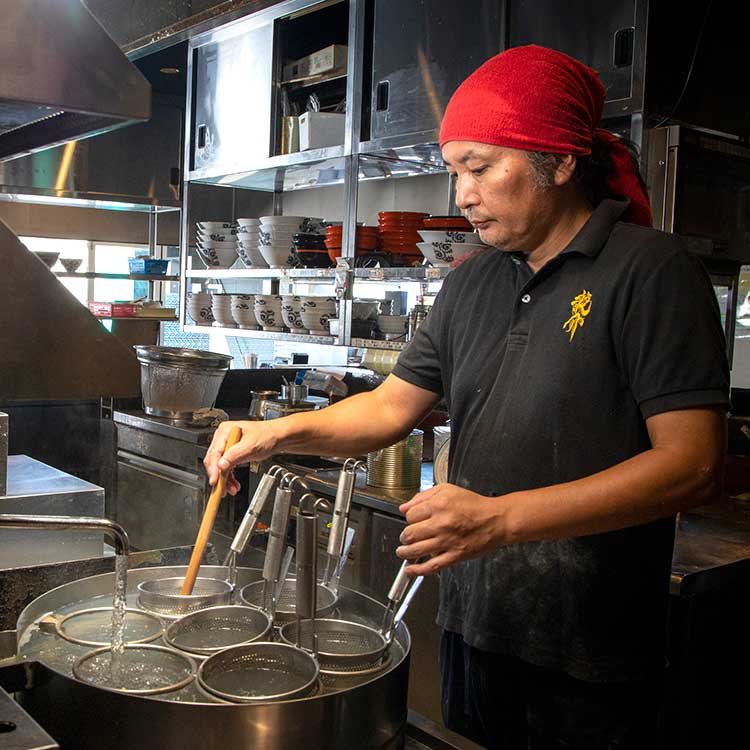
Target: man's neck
[565, 225]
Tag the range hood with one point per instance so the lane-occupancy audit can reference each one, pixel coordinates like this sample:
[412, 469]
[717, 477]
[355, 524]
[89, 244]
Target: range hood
[62, 77]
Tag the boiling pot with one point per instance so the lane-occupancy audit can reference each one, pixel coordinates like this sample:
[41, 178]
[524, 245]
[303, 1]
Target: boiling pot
[177, 382]
[370, 714]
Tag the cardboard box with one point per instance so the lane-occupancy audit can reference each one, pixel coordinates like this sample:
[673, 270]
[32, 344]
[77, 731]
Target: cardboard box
[320, 129]
[330, 60]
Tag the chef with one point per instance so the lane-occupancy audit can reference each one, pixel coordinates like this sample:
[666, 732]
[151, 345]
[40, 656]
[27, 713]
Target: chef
[582, 360]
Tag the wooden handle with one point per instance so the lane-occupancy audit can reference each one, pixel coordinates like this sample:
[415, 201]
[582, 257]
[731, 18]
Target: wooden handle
[209, 517]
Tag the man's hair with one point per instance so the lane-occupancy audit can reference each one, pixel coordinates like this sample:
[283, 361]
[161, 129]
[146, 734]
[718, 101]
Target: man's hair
[592, 172]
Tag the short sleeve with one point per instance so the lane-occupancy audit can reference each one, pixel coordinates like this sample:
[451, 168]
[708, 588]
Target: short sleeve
[420, 363]
[672, 344]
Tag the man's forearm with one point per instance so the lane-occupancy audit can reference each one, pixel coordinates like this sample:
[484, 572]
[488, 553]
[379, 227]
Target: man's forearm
[354, 426]
[654, 484]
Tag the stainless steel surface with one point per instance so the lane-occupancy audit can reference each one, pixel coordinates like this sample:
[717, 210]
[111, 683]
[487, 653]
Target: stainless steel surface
[210, 630]
[306, 586]
[3, 453]
[162, 596]
[40, 490]
[294, 393]
[593, 38]
[230, 131]
[397, 466]
[20, 731]
[277, 409]
[106, 171]
[109, 528]
[160, 504]
[420, 58]
[21, 585]
[258, 401]
[177, 382]
[370, 716]
[55, 350]
[50, 92]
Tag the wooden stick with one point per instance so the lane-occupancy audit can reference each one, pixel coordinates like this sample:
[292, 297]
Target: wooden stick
[209, 516]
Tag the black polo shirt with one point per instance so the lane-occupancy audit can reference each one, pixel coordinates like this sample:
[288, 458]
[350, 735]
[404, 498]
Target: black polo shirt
[549, 377]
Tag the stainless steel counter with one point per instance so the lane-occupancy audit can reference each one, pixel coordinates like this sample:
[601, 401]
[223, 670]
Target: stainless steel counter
[37, 489]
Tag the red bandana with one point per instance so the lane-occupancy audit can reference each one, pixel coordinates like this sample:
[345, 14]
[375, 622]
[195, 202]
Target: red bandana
[536, 99]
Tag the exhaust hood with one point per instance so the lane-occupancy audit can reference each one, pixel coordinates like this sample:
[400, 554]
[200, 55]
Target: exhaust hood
[62, 77]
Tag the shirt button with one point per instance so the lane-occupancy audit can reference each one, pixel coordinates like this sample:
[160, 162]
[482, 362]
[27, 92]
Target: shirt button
[526, 299]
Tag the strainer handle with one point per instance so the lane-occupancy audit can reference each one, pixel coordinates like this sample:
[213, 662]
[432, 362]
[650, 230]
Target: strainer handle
[249, 522]
[277, 535]
[344, 492]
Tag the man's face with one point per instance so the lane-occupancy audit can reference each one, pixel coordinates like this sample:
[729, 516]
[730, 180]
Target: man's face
[497, 191]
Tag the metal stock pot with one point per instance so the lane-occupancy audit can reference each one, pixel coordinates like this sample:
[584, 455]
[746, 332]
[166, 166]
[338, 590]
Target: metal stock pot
[367, 713]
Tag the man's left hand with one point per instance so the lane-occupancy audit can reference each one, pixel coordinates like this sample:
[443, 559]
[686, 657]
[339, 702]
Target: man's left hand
[448, 524]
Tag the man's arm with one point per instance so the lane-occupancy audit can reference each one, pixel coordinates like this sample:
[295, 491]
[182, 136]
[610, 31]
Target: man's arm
[354, 426]
[683, 468]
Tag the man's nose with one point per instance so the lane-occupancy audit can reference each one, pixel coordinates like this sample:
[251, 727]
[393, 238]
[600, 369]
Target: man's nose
[466, 195]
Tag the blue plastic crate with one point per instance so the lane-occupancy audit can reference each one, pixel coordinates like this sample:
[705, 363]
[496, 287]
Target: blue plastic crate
[147, 266]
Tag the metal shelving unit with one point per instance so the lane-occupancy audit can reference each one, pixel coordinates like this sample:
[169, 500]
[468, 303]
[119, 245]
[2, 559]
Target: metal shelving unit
[116, 276]
[346, 165]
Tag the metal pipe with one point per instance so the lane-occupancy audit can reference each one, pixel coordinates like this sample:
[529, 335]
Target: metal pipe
[110, 528]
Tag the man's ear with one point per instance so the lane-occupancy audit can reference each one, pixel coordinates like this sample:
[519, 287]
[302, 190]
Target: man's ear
[565, 170]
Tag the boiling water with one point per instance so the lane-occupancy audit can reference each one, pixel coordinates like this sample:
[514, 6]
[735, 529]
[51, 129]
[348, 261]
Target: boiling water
[219, 633]
[256, 681]
[119, 603]
[136, 669]
[95, 628]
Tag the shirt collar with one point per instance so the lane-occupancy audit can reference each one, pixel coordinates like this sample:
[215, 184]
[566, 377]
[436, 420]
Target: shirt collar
[595, 232]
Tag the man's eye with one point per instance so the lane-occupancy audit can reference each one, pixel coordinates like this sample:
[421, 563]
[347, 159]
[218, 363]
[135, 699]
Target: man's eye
[478, 171]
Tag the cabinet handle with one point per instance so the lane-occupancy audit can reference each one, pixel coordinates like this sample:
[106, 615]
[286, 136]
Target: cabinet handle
[201, 136]
[381, 96]
[622, 48]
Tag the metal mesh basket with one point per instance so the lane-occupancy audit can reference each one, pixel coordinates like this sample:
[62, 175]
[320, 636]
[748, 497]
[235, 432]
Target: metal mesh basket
[259, 672]
[286, 608]
[162, 596]
[210, 630]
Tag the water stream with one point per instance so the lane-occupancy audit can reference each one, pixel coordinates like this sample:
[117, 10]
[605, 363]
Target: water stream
[119, 602]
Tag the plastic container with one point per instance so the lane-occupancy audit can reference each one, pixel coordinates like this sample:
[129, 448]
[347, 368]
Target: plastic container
[148, 266]
[113, 309]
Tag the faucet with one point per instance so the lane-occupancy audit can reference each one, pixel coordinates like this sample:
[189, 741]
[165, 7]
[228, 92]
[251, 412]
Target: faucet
[110, 528]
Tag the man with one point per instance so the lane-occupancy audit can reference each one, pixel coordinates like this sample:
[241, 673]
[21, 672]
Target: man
[582, 362]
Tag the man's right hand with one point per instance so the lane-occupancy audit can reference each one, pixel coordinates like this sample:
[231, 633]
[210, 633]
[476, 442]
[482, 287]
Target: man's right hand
[259, 441]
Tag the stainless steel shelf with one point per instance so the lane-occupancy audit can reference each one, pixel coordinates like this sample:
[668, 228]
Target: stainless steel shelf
[247, 333]
[379, 344]
[324, 167]
[287, 172]
[125, 276]
[325, 274]
[428, 273]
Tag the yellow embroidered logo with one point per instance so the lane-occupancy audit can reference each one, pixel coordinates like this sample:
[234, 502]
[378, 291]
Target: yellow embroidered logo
[580, 307]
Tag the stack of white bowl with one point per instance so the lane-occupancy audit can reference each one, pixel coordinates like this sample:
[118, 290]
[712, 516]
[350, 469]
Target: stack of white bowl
[267, 308]
[316, 312]
[216, 243]
[393, 326]
[221, 306]
[276, 233]
[199, 308]
[442, 248]
[243, 311]
[291, 313]
[248, 240]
